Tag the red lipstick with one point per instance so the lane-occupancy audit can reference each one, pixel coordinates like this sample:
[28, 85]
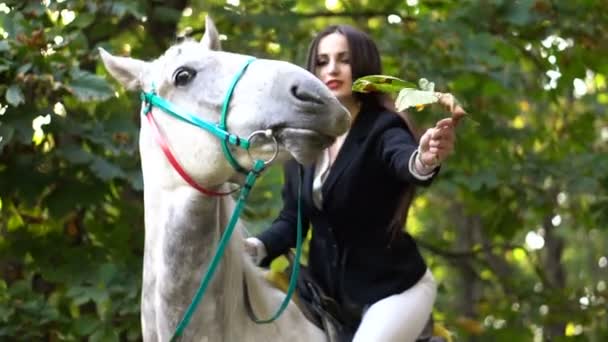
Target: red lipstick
[334, 84]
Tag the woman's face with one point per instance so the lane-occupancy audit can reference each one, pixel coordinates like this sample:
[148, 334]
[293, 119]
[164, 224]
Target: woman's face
[333, 66]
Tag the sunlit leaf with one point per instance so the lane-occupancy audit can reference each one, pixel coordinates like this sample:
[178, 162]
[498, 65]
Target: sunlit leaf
[89, 87]
[380, 83]
[24, 68]
[4, 46]
[412, 98]
[14, 95]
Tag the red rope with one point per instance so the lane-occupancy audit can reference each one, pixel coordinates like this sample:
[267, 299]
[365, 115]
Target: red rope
[176, 165]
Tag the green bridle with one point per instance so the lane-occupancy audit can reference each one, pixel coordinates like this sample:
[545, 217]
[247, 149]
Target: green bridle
[150, 100]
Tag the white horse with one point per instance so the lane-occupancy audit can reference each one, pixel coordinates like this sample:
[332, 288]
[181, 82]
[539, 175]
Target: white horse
[183, 225]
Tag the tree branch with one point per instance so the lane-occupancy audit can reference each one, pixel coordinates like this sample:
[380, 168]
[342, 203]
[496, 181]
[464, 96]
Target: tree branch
[357, 14]
[450, 254]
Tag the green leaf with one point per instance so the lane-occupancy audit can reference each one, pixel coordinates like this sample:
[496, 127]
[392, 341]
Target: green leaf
[134, 8]
[107, 272]
[14, 95]
[412, 98]
[89, 87]
[166, 14]
[380, 83]
[83, 20]
[105, 170]
[12, 24]
[4, 46]
[64, 199]
[521, 14]
[35, 9]
[24, 68]
[85, 325]
[75, 154]
[135, 179]
[105, 335]
[6, 134]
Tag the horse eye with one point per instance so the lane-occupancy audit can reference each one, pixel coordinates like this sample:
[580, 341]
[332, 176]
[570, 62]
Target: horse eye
[183, 76]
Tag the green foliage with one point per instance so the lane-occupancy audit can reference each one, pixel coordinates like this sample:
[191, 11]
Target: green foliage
[71, 222]
[535, 169]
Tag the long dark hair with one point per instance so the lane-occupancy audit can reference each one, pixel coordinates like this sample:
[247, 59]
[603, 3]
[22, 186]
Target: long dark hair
[365, 60]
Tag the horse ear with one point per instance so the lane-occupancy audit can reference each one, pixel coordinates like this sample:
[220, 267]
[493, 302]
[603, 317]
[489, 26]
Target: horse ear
[211, 39]
[126, 70]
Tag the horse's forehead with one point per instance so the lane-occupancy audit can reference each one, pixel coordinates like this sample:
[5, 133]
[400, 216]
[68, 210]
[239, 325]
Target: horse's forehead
[187, 52]
[196, 55]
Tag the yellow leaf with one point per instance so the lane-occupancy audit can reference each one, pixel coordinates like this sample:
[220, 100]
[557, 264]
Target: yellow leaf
[441, 331]
[471, 326]
[573, 329]
[518, 122]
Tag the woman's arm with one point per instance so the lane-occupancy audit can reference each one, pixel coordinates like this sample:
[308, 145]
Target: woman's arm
[413, 163]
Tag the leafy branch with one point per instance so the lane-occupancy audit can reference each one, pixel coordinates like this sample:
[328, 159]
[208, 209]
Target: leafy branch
[410, 95]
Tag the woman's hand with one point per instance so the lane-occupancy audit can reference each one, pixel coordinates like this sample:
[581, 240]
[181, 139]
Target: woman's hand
[255, 248]
[436, 144]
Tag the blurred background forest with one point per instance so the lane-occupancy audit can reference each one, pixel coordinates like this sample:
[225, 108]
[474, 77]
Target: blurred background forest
[515, 229]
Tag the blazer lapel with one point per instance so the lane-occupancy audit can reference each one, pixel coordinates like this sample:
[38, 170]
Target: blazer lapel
[309, 174]
[357, 133]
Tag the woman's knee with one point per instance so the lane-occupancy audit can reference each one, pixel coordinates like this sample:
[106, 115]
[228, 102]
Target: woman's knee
[400, 317]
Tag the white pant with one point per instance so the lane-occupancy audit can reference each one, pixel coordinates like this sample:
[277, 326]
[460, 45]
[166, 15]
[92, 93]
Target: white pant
[400, 317]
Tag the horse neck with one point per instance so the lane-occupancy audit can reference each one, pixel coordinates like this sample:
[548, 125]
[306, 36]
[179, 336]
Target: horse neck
[183, 229]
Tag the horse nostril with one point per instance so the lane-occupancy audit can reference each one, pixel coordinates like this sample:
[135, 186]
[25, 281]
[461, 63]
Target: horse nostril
[304, 95]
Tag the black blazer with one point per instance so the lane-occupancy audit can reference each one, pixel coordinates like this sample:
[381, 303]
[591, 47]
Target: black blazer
[353, 256]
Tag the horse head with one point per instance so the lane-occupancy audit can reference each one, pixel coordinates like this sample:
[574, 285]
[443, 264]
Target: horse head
[299, 111]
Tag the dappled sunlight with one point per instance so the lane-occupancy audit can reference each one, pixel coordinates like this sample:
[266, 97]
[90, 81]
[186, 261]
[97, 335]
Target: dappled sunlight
[67, 16]
[560, 43]
[556, 220]
[126, 49]
[273, 48]
[573, 329]
[414, 225]
[393, 19]
[59, 109]
[334, 5]
[37, 124]
[4, 8]
[534, 241]
[518, 255]
[518, 122]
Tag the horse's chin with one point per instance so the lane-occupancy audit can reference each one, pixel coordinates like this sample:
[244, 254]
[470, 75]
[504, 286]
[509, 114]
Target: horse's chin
[304, 145]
